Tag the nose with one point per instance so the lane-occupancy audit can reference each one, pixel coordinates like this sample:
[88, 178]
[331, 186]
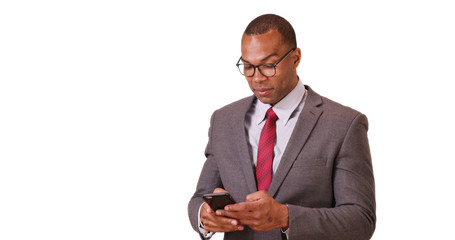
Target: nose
[258, 77]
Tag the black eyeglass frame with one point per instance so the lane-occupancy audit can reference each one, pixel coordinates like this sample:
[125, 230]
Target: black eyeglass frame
[259, 66]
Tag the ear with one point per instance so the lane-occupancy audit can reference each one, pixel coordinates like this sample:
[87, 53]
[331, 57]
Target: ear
[296, 56]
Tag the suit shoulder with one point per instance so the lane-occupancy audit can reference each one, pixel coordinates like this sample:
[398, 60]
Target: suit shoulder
[231, 115]
[329, 106]
[338, 112]
[237, 106]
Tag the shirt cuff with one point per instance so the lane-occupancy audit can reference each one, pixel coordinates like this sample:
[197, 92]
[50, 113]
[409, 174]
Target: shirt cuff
[204, 233]
[286, 233]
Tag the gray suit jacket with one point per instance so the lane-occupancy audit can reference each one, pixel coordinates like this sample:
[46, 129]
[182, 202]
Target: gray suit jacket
[325, 175]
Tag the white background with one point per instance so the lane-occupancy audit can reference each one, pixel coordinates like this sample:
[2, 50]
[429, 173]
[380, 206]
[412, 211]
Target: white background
[105, 107]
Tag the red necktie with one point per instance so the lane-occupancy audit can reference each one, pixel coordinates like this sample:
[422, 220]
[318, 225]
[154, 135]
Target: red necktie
[264, 164]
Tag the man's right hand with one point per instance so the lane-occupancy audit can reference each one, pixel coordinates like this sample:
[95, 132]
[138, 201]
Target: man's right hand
[214, 223]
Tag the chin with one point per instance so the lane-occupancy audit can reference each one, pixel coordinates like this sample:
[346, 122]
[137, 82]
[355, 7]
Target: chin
[265, 100]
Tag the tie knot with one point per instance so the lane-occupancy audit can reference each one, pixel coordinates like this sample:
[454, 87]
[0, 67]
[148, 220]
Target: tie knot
[271, 115]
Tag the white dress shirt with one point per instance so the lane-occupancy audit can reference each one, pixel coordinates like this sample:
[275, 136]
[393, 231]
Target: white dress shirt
[288, 111]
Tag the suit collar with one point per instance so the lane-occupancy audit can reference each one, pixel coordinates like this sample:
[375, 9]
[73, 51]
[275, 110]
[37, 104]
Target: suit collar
[306, 122]
[246, 159]
[314, 99]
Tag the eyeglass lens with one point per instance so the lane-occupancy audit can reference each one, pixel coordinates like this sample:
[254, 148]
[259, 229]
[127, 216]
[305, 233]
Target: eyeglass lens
[248, 70]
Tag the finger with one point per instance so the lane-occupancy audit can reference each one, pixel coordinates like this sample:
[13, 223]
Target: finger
[224, 228]
[253, 217]
[241, 212]
[241, 207]
[221, 224]
[209, 215]
[241, 218]
[206, 208]
[219, 190]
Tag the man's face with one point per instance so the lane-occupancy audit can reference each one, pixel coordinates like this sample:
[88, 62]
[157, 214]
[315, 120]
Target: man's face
[269, 48]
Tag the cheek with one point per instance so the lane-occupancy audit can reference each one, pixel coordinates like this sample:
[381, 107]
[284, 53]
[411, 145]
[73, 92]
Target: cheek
[250, 83]
[283, 86]
[280, 82]
[287, 80]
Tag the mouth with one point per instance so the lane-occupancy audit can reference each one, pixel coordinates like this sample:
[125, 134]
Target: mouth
[263, 91]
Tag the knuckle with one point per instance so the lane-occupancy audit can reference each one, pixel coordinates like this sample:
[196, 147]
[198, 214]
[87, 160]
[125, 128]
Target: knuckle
[204, 215]
[255, 226]
[257, 215]
[226, 221]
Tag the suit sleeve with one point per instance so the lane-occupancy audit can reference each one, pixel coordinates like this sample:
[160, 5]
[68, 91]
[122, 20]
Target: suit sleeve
[208, 181]
[353, 216]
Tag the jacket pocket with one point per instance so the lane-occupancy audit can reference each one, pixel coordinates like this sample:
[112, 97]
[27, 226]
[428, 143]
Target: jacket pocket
[310, 162]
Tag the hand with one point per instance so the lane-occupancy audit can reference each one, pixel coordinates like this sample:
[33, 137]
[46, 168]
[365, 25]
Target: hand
[260, 212]
[214, 223]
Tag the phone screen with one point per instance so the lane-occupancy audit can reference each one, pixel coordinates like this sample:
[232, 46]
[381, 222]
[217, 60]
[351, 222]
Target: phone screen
[218, 200]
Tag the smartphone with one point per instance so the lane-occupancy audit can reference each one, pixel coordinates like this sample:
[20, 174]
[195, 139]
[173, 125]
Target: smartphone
[218, 200]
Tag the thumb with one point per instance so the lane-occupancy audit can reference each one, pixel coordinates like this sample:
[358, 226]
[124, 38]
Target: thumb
[256, 196]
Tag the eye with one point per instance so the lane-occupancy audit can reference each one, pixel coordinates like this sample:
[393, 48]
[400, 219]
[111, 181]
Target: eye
[268, 66]
[248, 66]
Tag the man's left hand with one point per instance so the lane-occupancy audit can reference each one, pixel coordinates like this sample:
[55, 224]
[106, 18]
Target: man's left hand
[260, 212]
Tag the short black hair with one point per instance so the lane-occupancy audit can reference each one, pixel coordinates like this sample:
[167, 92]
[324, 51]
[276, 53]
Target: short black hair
[269, 22]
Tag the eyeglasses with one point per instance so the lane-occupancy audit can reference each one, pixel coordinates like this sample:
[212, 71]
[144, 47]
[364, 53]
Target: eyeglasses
[268, 69]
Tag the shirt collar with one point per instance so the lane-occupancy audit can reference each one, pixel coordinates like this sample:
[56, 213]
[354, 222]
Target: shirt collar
[284, 108]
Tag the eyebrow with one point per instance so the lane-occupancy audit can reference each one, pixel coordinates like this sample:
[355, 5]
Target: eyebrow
[262, 60]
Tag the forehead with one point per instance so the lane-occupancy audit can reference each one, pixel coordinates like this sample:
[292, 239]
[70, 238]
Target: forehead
[257, 47]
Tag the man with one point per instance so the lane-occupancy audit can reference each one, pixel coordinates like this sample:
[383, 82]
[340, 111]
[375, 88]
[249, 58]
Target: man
[297, 164]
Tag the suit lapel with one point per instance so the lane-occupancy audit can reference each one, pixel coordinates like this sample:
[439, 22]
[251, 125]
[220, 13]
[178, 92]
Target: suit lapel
[305, 124]
[245, 159]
